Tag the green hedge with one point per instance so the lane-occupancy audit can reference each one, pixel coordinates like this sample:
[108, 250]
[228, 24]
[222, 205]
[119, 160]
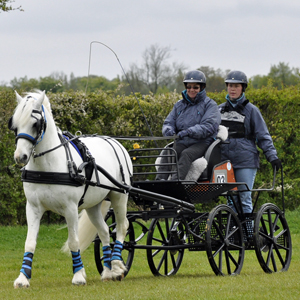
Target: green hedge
[115, 115]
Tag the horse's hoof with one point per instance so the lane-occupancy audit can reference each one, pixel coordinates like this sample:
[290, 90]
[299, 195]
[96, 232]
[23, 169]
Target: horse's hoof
[21, 282]
[79, 283]
[119, 278]
[79, 278]
[21, 286]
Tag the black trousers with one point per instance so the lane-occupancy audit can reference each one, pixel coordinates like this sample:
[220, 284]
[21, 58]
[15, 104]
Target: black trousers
[186, 155]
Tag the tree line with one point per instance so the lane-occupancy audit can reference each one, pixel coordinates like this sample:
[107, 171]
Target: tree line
[156, 75]
[119, 115]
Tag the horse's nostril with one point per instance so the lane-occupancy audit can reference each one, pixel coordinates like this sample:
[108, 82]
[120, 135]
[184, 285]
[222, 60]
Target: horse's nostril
[24, 158]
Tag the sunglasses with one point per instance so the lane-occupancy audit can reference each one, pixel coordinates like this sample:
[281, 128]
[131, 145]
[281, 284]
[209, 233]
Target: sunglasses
[193, 87]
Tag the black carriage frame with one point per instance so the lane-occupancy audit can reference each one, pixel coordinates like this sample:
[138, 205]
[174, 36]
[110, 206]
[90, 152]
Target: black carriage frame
[175, 226]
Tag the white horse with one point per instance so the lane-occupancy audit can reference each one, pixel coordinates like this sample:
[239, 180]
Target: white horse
[40, 149]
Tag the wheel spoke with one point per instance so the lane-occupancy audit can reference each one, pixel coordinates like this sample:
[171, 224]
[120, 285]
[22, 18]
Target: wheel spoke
[166, 262]
[263, 223]
[232, 259]
[218, 250]
[161, 232]
[279, 254]
[173, 260]
[156, 252]
[273, 261]
[227, 261]
[270, 222]
[228, 225]
[218, 230]
[221, 260]
[274, 224]
[163, 258]
[159, 240]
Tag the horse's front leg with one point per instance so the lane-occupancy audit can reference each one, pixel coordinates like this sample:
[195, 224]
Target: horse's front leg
[33, 215]
[79, 277]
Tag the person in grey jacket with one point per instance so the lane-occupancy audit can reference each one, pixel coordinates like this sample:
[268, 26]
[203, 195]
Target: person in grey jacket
[246, 130]
[195, 119]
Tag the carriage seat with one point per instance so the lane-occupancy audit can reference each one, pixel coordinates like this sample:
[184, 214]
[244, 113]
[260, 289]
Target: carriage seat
[201, 169]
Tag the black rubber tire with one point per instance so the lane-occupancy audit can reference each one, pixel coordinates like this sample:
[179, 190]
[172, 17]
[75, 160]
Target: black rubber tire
[225, 247]
[272, 239]
[128, 251]
[165, 262]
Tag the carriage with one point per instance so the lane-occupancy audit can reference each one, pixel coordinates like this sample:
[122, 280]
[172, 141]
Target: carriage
[169, 223]
[63, 172]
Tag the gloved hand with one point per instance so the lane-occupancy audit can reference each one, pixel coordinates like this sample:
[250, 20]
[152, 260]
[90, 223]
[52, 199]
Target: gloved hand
[169, 132]
[276, 164]
[182, 134]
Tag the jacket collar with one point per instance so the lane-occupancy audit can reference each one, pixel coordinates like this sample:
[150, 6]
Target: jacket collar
[236, 102]
[200, 96]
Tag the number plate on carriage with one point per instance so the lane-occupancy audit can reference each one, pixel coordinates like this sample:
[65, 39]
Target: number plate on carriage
[223, 173]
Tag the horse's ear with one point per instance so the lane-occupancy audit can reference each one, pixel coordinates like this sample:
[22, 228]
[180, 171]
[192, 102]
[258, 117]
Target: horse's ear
[40, 100]
[19, 98]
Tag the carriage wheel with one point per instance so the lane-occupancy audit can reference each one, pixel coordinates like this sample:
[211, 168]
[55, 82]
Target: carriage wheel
[128, 249]
[224, 241]
[165, 232]
[272, 239]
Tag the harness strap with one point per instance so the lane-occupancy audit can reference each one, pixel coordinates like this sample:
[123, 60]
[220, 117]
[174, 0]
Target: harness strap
[49, 178]
[120, 165]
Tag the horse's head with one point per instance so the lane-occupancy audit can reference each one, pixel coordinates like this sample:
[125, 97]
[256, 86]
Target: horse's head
[29, 124]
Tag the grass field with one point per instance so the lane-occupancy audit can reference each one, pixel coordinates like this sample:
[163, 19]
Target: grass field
[52, 273]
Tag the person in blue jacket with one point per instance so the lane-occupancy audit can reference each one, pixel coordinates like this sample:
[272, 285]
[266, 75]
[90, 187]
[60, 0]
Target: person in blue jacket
[246, 130]
[195, 119]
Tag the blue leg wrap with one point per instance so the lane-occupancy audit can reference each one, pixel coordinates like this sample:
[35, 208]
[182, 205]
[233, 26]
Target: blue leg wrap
[116, 255]
[107, 256]
[26, 265]
[77, 263]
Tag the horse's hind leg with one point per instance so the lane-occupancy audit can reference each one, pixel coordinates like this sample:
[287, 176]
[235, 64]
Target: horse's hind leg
[119, 204]
[71, 216]
[33, 215]
[96, 216]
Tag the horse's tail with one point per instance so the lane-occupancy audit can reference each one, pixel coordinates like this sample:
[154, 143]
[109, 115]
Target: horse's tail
[86, 233]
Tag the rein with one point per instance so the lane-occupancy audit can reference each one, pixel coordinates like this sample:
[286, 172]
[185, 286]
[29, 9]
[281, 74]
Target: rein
[63, 143]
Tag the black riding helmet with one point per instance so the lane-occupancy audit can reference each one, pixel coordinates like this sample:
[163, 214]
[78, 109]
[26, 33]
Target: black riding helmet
[237, 77]
[195, 77]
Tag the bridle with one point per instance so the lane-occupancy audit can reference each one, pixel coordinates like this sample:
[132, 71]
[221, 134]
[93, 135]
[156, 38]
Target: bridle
[41, 126]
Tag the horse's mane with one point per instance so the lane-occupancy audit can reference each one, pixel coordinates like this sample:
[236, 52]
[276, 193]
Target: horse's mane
[23, 110]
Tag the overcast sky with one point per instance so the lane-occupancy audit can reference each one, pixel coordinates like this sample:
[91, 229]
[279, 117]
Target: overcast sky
[55, 36]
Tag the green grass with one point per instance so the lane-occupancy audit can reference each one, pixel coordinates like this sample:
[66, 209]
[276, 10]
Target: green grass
[52, 273]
